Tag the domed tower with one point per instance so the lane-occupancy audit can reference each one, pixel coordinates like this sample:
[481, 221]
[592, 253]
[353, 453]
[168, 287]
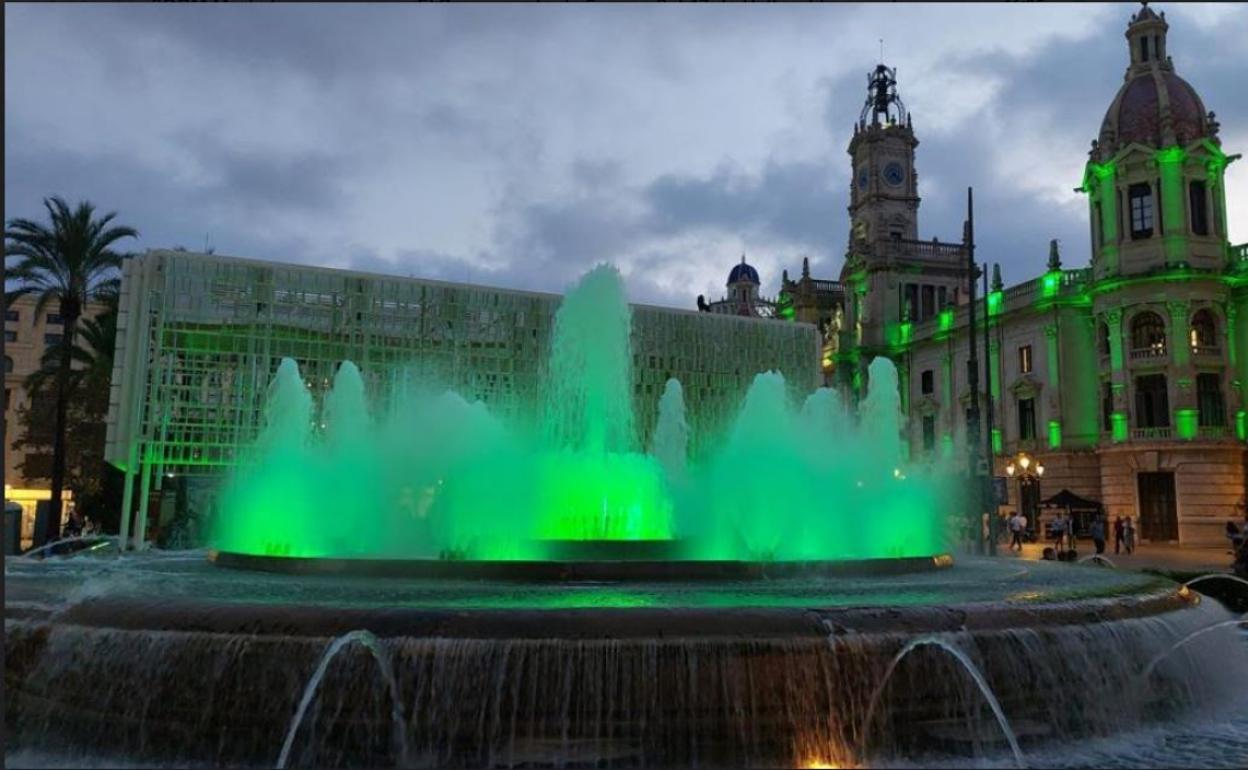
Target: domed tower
[1155, 172]
[743, 286]
[1163, 298]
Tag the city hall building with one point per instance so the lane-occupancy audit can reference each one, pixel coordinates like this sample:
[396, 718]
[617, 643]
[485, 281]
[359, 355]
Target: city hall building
[1127, 378]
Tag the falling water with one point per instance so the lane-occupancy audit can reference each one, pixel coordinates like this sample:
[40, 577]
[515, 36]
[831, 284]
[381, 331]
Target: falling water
[671, 432]
[434, 476]
[374, 647]
[971, 669]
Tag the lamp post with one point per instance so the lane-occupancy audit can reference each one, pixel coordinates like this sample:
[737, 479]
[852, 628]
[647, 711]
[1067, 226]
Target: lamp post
[1026, 469]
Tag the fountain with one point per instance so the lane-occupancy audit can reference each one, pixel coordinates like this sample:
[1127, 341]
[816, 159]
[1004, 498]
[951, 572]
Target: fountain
[559, 592]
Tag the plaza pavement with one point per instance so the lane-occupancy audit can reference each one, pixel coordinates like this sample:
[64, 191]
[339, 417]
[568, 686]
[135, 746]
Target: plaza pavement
[1150, 556]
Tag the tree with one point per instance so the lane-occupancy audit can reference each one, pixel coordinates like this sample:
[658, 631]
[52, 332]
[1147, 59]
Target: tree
[70, 262]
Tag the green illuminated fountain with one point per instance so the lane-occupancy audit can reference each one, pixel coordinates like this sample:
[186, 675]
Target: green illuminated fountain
[439, 478]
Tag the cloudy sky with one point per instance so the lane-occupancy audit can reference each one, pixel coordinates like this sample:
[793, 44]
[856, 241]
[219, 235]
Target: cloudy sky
[518, 145]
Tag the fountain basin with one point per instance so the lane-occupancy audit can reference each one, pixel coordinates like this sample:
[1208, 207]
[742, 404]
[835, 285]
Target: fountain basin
[602, 560]
[165, 659]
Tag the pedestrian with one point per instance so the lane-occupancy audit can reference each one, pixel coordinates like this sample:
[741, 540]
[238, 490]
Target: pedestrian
[1098, 533]
[1119, 534]
[1068, 528]
[1017, 524]
[1129, 534]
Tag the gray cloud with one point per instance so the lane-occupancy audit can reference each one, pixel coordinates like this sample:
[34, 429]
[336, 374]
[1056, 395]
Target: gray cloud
[519, 145]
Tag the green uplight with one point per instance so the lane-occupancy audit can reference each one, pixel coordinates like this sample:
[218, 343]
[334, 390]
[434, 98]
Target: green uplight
[1052, 282]
[946, 445]
[945, 319]
[1185, 422]
[1171, 155]
[997, 441]
[1055, 434]
[1241, 425]
[1118, 425]
[996, 299]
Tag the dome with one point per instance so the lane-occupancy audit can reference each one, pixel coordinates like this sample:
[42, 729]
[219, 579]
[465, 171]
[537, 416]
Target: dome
[1136, 112]
[743, 272]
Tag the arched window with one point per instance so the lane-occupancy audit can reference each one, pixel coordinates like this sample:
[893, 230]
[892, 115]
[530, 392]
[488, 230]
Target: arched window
[1148, 333]
[1204, 330]
[8, 365]
[1102, 338]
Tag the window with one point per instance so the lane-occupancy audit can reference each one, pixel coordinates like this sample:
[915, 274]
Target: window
[10, 335]
[1144, 48]
[8, 365]
[1203, 333]
[1209, 400]
[1152, 404]
[942, 297]
[929, 432]
[1107, 407]
[55, 318]
[1024, 359]
[1026, 419]
[51, 339]
[12, 315]
[910, 302]
[1102, 342]
[927, 382]
[1141, 196]
[1148, 332]
[8, 398]
[929, 302]
[1200, 215]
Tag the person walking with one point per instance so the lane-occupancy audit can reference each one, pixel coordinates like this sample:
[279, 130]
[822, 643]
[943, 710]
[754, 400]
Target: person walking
[1098, 533]
[1129, 534]
[1018, 523]
[1119, 534]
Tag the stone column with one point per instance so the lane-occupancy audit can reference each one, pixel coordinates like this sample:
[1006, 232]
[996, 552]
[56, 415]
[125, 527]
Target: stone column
[1053, 422]
[1118, 374]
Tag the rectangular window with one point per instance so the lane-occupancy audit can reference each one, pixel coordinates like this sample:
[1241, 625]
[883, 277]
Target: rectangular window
[927, 381]
[1200, 215]
[910, 302]
[1024, 359]
[1209, 400]
[10, 335]
[1107, 407]
[929, 303]
[12, 315]
[1026, 419]
[1152, 403]
[1144, 48]
[51, 339]
[942, 297]
[1141, 197]
[8, 398]
[929, 432]
[55, 318]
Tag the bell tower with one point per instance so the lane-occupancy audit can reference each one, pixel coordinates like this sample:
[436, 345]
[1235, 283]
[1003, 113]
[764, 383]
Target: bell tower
[884, 194]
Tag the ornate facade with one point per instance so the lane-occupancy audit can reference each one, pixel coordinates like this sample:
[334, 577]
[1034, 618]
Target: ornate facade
[1126, 378]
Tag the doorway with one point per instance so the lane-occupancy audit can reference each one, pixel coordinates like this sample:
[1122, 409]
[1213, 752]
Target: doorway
[1029, 502]
[1159, 519]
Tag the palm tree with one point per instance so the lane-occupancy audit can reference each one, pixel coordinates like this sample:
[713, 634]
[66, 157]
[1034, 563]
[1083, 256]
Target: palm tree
[70, 262]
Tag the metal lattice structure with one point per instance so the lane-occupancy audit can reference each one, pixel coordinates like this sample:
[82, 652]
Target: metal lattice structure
[199, 337]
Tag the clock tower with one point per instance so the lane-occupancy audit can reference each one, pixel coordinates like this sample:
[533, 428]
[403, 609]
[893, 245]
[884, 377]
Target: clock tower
[892, 280]
[884, 195]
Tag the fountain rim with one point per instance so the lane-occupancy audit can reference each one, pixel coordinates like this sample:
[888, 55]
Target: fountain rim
[570, 571]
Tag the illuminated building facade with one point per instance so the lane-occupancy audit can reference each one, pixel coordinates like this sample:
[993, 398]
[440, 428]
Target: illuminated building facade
[1126, 378]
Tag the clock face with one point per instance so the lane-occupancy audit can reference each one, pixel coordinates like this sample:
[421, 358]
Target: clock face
[893, 174]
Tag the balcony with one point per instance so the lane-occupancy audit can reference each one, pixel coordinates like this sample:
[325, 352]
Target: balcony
[1206, 351]
[1152, 434]
[1151, 352]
